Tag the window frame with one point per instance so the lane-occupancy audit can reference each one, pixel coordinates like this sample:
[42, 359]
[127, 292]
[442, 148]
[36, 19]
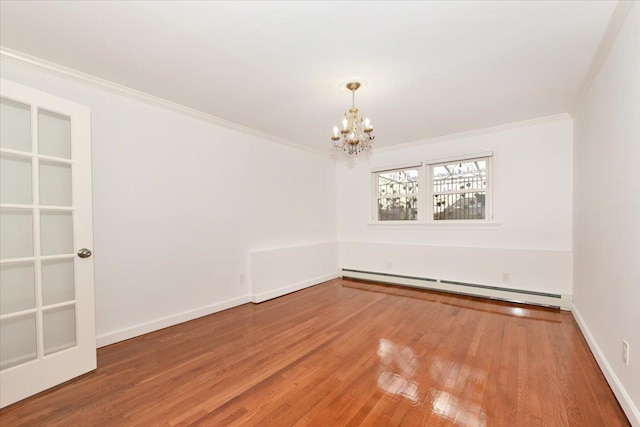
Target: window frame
[374, 193]
[488, 214]
[425, 193]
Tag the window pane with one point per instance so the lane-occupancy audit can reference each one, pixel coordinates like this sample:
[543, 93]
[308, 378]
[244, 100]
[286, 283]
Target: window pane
[464, 185]
[398, 209]
[461, 176]
[399, 182]
[469, 205]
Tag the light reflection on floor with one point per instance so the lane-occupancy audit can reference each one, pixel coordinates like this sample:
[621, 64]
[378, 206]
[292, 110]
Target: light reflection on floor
[458, 401]
[460, 412]
[398, 366]
[449, 401]
[520, 312]
[505, 308]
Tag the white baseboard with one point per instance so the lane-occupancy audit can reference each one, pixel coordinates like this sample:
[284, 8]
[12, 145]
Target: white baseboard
[257, 298]
[164, 322]
[621, 394]
[174, 319]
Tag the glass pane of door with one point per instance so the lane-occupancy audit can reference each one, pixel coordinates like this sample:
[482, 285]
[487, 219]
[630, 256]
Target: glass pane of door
[15, 179]
[59, 329]
[57, 281]
[56, 231]
[17, 287]
[16, 233]
[15, 125]
[54, 132]
[55, 184]
[18, 340]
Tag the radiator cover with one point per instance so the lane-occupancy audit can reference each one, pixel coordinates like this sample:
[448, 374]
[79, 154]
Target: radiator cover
[465, 288]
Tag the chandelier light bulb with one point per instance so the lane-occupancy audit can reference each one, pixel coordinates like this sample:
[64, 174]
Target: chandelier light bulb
[335, 131]
[345, 123]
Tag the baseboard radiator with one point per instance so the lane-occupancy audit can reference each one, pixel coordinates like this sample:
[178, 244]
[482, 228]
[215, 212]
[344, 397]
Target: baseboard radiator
[492, 292]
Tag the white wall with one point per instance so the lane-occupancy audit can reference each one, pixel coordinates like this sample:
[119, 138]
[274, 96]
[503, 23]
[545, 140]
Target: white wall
[293, 197]
[179, 203]
[607, 214]
[532, 176]
[279, 271]
[465, 264]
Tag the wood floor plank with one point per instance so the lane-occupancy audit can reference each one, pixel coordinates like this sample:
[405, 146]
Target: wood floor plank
[343, 353]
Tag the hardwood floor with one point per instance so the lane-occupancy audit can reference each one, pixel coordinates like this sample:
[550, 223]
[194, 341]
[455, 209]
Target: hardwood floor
[343, 353]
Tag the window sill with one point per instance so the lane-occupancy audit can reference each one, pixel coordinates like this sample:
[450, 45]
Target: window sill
[406, 225]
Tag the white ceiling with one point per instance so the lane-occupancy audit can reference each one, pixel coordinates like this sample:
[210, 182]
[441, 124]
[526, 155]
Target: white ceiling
[431, 68]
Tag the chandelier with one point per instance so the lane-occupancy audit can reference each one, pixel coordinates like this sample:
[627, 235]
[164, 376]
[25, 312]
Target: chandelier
[356, 131]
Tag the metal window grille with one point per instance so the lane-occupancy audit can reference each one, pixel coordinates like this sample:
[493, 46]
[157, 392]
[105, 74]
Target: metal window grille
[397, 195]
[460, 190]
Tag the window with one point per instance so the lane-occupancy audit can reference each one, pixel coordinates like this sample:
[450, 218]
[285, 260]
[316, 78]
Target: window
[459, 190]
[397, 194]
[456, 190]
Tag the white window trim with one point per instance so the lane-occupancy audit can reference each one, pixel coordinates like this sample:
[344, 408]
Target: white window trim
[425, 193]
[387, 168]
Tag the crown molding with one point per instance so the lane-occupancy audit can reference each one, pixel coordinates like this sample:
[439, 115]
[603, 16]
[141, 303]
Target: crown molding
[615, 24]
[476, 132]
[39, 64]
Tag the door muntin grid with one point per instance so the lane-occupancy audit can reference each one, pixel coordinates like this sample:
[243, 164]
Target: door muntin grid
[38, 309]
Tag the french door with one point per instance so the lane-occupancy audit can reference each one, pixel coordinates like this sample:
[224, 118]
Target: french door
[47, 313]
